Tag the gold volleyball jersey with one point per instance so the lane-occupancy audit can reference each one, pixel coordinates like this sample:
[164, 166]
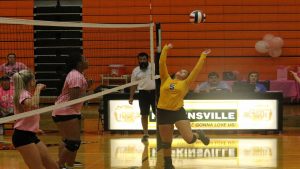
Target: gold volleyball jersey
[172, 91]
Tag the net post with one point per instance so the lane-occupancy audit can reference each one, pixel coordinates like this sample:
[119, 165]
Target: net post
[159, 150]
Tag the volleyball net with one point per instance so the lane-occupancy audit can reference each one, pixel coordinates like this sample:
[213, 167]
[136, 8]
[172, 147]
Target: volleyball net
[44, 46]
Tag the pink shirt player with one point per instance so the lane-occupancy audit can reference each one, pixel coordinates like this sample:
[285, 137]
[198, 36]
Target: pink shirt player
[31, 123]
[73, 79]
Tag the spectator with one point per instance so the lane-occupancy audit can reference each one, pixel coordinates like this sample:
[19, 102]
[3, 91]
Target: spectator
[12, 66]
[6, 97]
[253, 79]
[213, 84]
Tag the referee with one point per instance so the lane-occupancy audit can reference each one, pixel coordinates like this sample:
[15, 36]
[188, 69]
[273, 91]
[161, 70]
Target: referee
[146, 90]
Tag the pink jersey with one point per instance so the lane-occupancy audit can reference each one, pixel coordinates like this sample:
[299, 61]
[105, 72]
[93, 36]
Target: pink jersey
[6, 98]
[31, 123]
[73, 79]
[11, 69]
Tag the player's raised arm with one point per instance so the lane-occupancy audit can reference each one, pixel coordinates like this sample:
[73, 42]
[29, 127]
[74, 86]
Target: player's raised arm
[198, 66]
[163, 70]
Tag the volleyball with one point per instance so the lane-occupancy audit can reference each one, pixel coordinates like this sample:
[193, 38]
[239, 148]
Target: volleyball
[197, 16]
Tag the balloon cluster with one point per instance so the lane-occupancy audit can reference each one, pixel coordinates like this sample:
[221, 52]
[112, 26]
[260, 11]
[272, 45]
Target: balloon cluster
[270, 44]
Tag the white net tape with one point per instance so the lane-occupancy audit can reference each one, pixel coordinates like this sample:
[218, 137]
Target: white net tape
[5, 20]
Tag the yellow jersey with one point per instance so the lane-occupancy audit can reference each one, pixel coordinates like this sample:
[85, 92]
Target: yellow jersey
[173, 91]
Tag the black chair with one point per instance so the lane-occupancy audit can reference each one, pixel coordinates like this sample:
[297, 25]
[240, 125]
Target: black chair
[229, 76]
[243, 87]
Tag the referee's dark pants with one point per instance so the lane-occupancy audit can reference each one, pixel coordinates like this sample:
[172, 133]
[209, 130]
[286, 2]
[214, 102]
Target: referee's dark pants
[147, 99]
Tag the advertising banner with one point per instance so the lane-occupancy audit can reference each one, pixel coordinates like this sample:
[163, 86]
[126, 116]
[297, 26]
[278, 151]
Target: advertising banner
[203, 114]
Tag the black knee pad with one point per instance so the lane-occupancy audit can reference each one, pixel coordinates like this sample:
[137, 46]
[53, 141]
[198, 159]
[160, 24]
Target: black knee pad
[193, 140]
[166, 145]
[72, 145]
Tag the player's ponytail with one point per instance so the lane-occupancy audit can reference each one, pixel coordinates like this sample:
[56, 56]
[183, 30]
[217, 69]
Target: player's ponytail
[21, 80]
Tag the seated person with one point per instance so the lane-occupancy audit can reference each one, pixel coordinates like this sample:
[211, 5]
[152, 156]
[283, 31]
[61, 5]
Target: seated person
[253, 78]
[6, 97]
[213, 84]
[12, 66]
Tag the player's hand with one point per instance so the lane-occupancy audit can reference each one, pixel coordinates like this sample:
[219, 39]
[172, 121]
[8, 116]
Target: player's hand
[40, 86]
[39, 132]
[130, 100]
[170, 45]
[206, 52]
[294, 73]
[90, 83]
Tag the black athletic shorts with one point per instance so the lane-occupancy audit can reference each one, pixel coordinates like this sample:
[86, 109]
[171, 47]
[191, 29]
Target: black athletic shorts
[170, 117]
[147, 99]
[60, 118]
[22, 137]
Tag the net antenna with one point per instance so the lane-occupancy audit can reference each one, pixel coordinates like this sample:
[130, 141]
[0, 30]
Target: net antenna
[151, 42]
[16, 27]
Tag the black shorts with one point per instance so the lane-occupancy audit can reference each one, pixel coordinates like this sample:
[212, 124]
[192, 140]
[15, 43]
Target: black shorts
[170, 117]
[60, 118]
[147, 99]
[21, 138]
